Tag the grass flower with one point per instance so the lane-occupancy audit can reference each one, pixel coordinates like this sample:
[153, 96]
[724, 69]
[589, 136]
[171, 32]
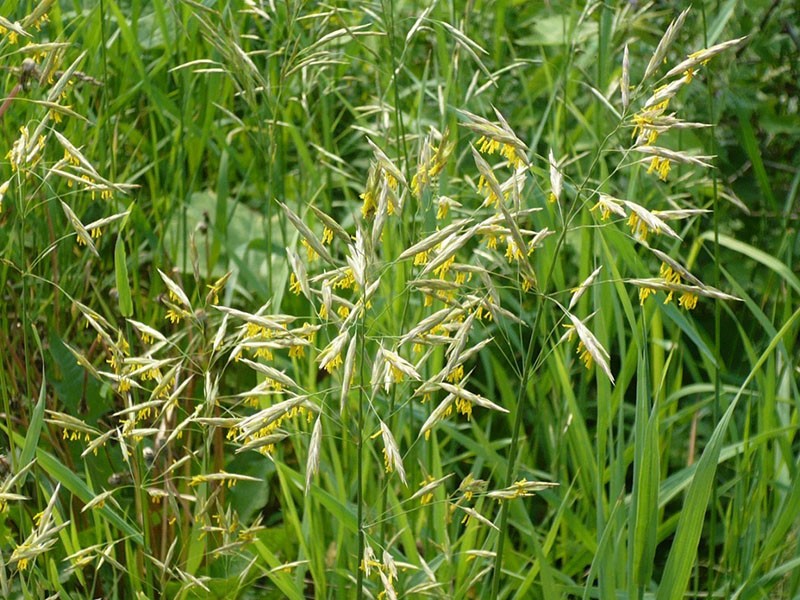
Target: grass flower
[432, 161]
[590, 350]
[427, 487]
[521, 489]
[391, 454]
[497, 137]
[314, 448]
[607, 205]
[443, 206]
[625, 84]
[578, 292]
[642, 223]
[411, 317]
[689, 294]
[701, 57]
[330, 358]
[664, 43]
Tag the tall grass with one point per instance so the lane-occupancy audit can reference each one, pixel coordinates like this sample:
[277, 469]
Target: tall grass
[391, 300]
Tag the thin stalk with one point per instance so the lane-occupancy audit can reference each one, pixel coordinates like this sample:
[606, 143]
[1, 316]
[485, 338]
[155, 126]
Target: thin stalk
[527, 372]
[529, 367]
[360, 463]
[7, 102]
[26, 320]
[402, 145]
[104, 92]
[6, 401]
[402, 148]
[398, 114]
[716, 406]
[4, 386]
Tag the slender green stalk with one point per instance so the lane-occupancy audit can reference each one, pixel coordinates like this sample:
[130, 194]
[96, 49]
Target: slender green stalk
[529, 368]
[716, 410]
[360, 546]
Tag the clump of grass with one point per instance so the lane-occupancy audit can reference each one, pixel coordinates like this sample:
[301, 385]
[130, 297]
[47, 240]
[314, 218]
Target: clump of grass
[425, 372]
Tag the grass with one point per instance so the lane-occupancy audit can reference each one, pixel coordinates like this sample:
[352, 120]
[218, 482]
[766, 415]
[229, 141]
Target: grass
[361, 305]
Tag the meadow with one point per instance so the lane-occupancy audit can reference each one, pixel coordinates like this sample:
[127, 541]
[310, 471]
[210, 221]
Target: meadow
[399, 299]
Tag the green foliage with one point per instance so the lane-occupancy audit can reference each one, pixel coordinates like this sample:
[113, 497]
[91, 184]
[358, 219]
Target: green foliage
[352, 299]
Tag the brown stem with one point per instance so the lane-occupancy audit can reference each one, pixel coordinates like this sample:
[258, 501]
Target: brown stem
[11, 96]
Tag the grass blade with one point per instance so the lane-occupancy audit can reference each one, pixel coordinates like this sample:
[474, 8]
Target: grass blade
[690, 525]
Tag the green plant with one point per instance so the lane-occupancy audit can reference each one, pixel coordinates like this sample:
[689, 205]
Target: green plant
[370, 327]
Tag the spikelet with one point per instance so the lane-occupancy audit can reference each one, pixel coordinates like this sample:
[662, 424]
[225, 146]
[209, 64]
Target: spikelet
[392, 459]
[314, 447]
[663, 45]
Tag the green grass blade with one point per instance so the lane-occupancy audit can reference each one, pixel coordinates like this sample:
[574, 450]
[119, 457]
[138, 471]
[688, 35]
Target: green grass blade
[61, 473]
[121, 275]
[34, 427]
[690, 525]
[646, 473]
[751, 146]
[757, 255]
